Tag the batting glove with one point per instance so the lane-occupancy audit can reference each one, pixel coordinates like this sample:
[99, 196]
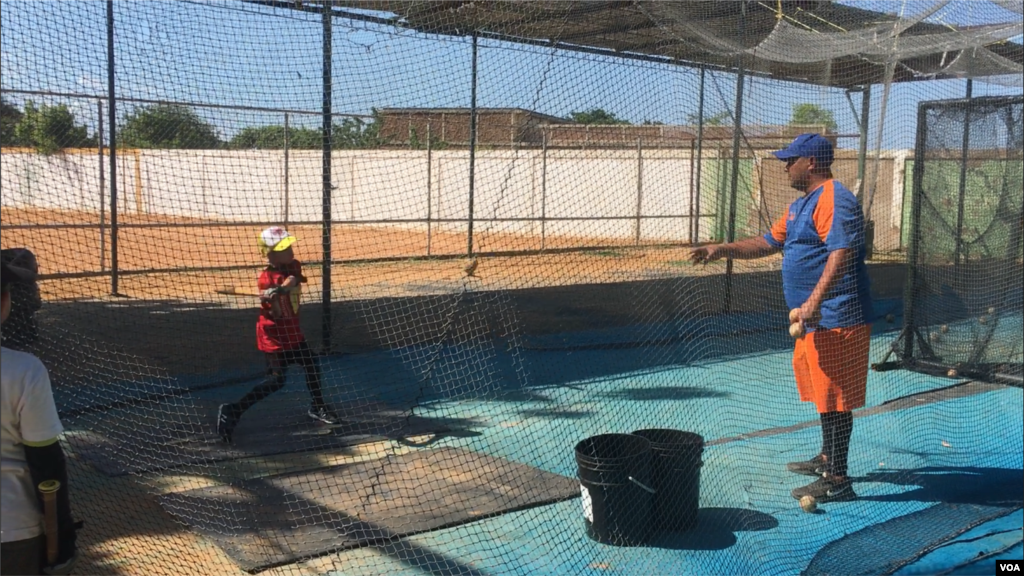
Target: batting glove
[269, 293]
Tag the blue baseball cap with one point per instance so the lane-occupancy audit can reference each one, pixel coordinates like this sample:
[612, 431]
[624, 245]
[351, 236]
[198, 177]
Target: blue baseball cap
[808, 146]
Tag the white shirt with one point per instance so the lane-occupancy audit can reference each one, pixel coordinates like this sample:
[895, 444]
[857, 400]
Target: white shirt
[27, 414]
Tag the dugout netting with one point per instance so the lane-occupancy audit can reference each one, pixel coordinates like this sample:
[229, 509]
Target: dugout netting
[494, 204]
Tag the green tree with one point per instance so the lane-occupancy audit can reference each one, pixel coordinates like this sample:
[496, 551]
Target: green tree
[358, 133]
[48, 129]
[813, 115]
[719, 119]
[349, 133]
[596, 116]
[272, 138]
[167, 126]
[9, 118]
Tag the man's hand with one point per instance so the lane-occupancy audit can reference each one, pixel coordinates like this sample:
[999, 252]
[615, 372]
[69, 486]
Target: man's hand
[810, 313]
[708, 253]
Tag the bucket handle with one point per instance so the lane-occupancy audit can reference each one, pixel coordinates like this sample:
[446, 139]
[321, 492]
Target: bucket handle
[642, 485]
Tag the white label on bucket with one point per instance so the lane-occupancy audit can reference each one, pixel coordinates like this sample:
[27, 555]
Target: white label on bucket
[588, 506]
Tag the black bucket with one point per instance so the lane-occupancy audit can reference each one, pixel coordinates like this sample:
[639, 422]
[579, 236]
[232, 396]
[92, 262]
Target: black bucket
[614, 472]
[675, 477]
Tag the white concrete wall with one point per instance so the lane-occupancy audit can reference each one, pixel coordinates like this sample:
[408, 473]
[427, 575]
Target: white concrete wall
[378, 185]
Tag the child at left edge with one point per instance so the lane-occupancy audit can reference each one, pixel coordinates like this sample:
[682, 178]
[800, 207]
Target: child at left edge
[278, 334]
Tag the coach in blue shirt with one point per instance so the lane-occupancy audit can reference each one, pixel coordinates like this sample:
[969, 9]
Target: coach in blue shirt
[826, 287]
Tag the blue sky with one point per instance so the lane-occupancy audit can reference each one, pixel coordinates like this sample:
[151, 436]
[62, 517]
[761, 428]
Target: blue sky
[233, 53]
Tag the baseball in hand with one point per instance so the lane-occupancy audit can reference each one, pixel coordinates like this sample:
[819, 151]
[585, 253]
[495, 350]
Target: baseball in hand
[796, 330]
[794, 315]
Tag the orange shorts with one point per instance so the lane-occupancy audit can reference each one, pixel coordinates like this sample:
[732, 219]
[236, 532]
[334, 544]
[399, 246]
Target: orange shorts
[831, 368]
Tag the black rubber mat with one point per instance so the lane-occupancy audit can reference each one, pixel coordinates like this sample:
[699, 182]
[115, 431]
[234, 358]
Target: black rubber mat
[278, 520]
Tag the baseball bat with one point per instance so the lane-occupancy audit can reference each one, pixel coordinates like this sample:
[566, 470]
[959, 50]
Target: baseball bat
[49, 490]
[237, 292]
[275, 304]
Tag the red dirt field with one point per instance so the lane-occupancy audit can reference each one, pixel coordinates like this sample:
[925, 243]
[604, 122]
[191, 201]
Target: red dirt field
[205, 245]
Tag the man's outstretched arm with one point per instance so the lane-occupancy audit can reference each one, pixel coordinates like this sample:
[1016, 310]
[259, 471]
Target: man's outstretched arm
[746, 249]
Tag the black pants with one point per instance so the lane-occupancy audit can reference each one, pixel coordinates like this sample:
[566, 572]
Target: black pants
[22, 556]
[277, 364]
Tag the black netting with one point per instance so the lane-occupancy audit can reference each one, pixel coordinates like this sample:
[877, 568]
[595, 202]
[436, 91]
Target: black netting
[966, 292]
[500, 298]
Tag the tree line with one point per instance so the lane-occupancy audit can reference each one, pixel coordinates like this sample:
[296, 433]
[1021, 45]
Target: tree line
[803, 115]
[49, 128]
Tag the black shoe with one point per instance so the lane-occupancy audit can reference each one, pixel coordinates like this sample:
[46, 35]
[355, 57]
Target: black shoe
[227, 418]
[827, 489]
[323, 414]
[813, 467]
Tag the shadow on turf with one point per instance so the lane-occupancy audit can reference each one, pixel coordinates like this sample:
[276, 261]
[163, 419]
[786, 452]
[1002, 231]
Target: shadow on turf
[716, 529]
[664, 393]
[953, 485]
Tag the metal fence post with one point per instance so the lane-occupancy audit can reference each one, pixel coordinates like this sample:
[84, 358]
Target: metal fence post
[695, 208]
[735, 175]
[326, 197]
[639, 187]
[962, 187]
[472, 149]
[112, 105]
[430, 164]
[103, 186]
[287, 167]
[543, 187]
[862, 150]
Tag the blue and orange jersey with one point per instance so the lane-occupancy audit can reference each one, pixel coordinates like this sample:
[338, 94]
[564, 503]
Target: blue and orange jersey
[827, 219]
[278, 326]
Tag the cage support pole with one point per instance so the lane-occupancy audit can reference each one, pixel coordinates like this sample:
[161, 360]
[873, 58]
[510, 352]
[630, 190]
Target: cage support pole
[692, 165]
[890, 71]
[472, 150]
[962, 188]
[103, 187]
[735, 175]
[326, 201]
[287, 168]
[543, 188]
[862, 153]
[430, 163]
[639, 187]
[111, 109]
[695, 208]
[917, 191]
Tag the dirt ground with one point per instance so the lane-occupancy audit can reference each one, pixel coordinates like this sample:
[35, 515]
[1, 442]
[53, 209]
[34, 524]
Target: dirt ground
[128, 533]
[187, 249]
[179, 321]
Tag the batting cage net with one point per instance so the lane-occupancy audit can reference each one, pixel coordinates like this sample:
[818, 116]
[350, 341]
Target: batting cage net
[402, 287]
[969, 157]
